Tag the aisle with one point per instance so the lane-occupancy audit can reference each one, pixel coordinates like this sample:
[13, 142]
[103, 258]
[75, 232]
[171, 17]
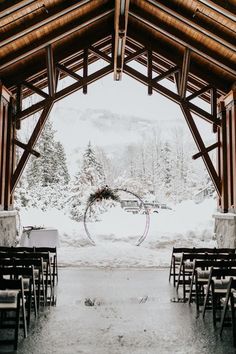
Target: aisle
[120, 312]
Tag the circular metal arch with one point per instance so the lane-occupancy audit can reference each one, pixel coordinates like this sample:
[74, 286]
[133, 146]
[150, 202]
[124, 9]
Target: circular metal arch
[142, 205]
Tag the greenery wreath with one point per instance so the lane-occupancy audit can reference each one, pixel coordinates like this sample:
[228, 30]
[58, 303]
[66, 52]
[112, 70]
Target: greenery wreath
[103, 193]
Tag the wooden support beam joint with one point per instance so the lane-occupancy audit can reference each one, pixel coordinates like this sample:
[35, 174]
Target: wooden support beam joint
[26, 147]
[208, 149]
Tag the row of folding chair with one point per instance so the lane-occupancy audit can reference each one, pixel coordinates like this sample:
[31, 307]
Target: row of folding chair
[52, 265]
[51, 250]
[12, 306]
[219, 294]
[177, 253]
[186, 267]
[39, 280]
[210, 280]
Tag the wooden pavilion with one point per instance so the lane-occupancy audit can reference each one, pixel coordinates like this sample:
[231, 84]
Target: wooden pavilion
[191, 43]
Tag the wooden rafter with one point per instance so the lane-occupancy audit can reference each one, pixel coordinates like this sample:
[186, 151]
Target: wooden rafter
[200, 144]
[62, 11]
[120, 26]
[65, 92]
[13, 5]
[60, 34]
[170, 94]
[191, 24]
[194, 48]
[46, 106]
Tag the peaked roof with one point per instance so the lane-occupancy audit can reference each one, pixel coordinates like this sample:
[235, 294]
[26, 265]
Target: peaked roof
[201, 32]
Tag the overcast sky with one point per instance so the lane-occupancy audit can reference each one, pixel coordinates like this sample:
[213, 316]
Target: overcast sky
[125, 97]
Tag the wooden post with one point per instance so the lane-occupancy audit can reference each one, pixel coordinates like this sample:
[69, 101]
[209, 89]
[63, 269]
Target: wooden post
[6, 149]
[223, 159]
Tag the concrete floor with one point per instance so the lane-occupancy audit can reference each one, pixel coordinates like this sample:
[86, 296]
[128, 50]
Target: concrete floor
[132, 314]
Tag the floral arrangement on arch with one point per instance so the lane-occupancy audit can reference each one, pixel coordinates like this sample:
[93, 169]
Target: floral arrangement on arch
[103, 193]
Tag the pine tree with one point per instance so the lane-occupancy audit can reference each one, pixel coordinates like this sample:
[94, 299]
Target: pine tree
[48, 175]
[88, 180]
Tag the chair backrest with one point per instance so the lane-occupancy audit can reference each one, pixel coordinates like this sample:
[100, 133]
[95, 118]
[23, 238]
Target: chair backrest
[206, 256]
[216, 264]
[203, 250]
[12, 284]
[15, 272]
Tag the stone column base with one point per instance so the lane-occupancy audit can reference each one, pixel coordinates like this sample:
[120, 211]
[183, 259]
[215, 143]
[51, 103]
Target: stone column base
[225, 229]
[8, 228]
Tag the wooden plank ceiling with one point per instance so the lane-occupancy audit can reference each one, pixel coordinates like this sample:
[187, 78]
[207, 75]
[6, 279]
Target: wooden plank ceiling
[119, 29]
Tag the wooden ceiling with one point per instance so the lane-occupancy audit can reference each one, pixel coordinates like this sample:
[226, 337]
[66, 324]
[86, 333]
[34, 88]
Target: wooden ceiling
[119, 29]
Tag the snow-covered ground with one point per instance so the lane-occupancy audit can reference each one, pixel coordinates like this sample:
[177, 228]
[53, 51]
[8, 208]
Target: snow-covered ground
[117, 233]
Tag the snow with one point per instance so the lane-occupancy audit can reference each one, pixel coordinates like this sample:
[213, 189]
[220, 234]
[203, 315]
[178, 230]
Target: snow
[117, 232]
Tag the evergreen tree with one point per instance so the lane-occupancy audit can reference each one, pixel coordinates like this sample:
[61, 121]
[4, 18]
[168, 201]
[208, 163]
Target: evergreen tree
[88, 180]
[48, 176]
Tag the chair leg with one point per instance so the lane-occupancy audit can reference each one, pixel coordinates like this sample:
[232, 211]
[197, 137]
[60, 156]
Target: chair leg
[24, 318]
[224, 314]
[191, 287]
[233, 318]
[17, 323]
[206, 298]
[171, 264]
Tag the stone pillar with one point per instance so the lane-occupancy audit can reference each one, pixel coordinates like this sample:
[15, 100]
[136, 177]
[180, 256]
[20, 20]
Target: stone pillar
[225, 229]
[8, 228]
[225, 220]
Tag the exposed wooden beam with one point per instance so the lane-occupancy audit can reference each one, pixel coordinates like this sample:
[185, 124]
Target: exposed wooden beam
[120, 26]
[100, 54]
[207, 149]
[214, 106]
[223, 159]
[69, 72]
[149, 71]
[85, 71]
[228, 5]
[35, 89]
[22, 31]
[51, 71]
[19, 96]
[59, 34]
[173, 57]
[135, 55]
[32, 141]
[170, 94]
[199, 92]
[26, 147]
[10, 155]
[184, 73]
[193, 25]
[200, 144]
[7, 7]
[166, 74]
[202, 53]
[65, 92]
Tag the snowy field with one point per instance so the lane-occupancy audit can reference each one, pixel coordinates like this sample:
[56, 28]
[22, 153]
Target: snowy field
[117, 232]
